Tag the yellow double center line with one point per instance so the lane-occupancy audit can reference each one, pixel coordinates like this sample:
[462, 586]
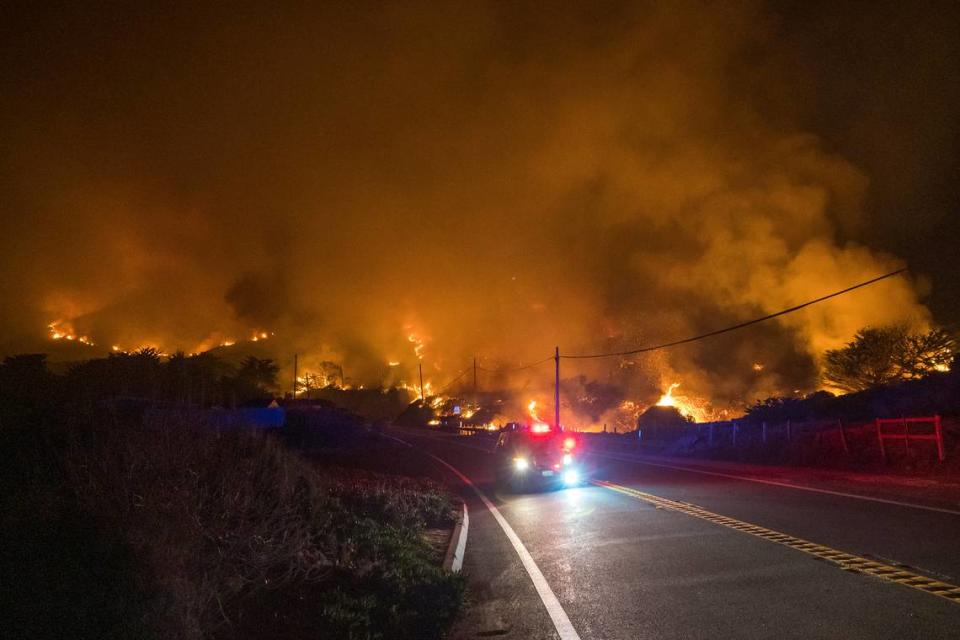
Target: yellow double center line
[846, 561]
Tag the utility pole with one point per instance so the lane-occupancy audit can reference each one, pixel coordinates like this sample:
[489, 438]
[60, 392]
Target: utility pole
[294, 376]
[475, 400]
[422, 399]
[556, 390]
[343, 384]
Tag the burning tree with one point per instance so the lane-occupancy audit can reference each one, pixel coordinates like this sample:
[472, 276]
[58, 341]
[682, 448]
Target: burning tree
[309, 382]
[878, 356]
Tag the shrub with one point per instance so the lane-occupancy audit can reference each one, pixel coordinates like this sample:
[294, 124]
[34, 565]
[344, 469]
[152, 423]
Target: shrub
[177, 531]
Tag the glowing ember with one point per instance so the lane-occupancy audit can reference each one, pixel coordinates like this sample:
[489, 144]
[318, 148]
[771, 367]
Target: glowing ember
[758, 366]
[393, 363]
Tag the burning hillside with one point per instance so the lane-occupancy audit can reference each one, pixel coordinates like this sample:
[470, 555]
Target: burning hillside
[601, 182]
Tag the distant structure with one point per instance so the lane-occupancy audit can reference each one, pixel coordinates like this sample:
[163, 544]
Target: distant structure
[658, 421]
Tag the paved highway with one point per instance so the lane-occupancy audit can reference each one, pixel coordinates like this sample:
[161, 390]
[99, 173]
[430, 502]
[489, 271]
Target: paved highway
[668, 553]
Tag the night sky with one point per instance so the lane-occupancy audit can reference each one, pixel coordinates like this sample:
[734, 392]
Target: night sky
[486, 179]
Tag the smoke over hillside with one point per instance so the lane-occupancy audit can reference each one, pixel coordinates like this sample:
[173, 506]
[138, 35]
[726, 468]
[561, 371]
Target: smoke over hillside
[473, 179]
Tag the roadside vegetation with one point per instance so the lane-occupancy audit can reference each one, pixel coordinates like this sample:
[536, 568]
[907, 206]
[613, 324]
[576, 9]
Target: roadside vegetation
[883, 372]
[132, 518]
[888, 372]
[884, 355]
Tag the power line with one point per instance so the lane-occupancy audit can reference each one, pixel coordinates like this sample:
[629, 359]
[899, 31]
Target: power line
[675, 343]
[464, 372]
[449, 384]
[737, 326]
[512, 369]
[467, 370]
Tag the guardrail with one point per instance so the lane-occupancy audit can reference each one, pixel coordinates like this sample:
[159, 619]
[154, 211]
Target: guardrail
[906, 436]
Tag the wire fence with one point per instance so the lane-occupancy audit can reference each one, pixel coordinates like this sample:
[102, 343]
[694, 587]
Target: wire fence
[878, 440]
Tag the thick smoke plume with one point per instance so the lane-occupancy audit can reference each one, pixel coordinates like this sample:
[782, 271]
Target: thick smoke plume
[467, 179]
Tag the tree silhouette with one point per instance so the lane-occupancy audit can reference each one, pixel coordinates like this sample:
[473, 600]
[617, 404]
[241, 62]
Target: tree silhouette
[255, 381]
[260, 372]
[206, 373]
[878, 356]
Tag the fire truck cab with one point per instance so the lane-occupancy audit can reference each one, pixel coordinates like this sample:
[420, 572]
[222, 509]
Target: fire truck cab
[526, 458]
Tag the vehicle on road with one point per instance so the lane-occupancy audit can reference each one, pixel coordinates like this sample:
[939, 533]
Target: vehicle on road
[530, 457]
[451, 422]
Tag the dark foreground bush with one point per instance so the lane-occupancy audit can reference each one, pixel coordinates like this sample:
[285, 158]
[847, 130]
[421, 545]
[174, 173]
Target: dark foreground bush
[161, 528]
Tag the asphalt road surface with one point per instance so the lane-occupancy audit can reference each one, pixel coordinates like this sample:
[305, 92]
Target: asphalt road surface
[668, 553]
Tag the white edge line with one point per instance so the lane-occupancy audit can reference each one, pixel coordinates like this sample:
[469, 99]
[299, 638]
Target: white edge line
[787, 485]
[462, 543]
[559, 617]
[453, 559]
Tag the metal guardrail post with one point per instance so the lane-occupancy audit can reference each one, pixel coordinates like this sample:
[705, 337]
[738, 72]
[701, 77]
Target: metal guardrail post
[843, 437]
[763, 431]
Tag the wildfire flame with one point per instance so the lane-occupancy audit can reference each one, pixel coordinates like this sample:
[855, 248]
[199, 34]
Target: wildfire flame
[418, 345]
[312, 381]
[532, 410]
[60, 330]
[667, 399]
[699, 410]
[538, 424]
[64, 330]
